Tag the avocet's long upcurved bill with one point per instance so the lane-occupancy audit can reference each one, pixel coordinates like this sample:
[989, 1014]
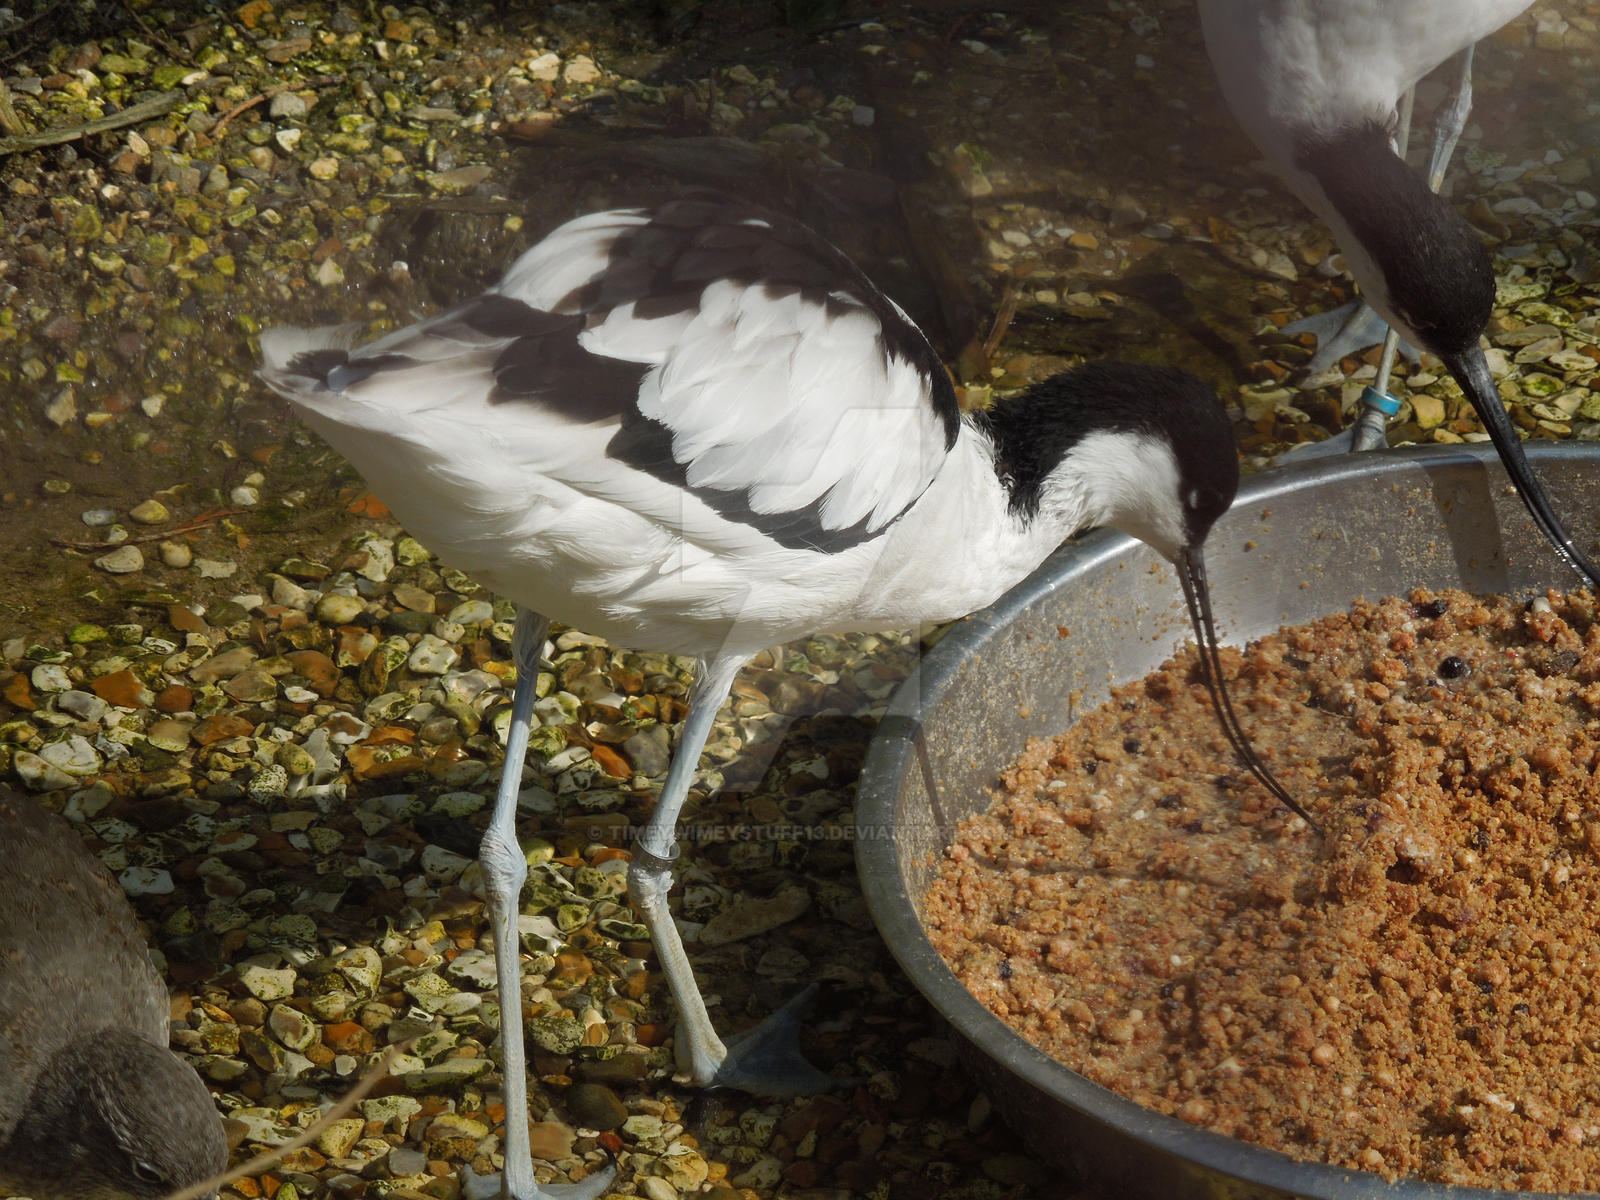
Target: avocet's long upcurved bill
[1191, 568]
[1472, 372]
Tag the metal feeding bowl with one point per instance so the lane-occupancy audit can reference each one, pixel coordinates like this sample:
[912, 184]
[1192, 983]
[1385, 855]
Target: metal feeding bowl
[1299, 543]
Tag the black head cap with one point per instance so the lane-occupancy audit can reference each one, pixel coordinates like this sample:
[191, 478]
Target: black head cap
[1034, 430]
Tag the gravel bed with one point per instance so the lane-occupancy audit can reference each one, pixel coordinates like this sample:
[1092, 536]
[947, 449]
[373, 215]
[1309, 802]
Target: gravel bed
[277, 718]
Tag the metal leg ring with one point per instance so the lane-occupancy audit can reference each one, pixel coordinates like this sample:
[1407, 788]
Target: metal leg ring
[650, 861]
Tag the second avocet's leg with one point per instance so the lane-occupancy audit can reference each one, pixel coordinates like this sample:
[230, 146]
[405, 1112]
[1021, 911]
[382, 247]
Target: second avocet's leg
[1369, 430]
[504, 871]
[765, 1060]
[1451, 122]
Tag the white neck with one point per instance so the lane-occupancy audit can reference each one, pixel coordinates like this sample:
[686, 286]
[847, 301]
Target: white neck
[962, 545]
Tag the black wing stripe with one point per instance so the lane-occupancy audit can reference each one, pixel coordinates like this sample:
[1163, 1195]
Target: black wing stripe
[646, 445]
[662, 268]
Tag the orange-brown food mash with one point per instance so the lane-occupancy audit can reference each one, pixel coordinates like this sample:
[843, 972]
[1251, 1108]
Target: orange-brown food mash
[1416, 994]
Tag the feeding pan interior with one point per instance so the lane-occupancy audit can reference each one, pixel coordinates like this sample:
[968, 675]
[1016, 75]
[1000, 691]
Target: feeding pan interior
[1299, 543]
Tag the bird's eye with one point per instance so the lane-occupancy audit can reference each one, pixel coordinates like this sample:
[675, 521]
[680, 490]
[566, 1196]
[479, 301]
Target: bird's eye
[146, 1172]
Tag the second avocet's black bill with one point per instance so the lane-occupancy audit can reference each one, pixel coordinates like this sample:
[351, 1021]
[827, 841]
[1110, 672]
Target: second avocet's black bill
[1472, 373]
[1191, 568]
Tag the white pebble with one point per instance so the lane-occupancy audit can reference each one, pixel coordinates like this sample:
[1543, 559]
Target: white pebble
[84, 705]
[38, 774]
[146, 881]
[581, 69]
[122, 561]
[470, 612]
[74, 755]
[433, 656]
[287, 106]
[50, 677]
[290, 594]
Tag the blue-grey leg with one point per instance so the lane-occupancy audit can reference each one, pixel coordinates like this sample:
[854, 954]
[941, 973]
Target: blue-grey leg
[505, 868]
[1451, 122]
[1348, 329]
[765, 1060]
[1370, 429]
[1354, 326]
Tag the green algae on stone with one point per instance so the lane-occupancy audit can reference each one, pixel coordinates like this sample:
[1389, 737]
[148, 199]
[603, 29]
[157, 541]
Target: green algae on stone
[558, 1035]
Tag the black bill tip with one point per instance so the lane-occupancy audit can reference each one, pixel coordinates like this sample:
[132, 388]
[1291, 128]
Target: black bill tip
[1471, 371]
[1191, 569]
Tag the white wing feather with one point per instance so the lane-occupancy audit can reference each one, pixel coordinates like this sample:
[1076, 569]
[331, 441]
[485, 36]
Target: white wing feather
[780, 396]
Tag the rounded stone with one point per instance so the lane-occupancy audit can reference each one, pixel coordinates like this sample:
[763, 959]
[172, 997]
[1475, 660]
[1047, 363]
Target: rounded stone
[595, 1106]
[146, 881]
[338, 609]
[124, 560]
[287, 106]
[150, 512]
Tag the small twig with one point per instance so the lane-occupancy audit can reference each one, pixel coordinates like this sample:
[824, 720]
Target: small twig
[70, 133]
[268, 1157]
[259, 97]
[216, 130]
[1002, 322]
[199, 522]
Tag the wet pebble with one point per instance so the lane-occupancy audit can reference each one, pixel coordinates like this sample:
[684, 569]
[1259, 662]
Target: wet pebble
[150, 512]
[338, 609]
[146, 881]
[581, 69]
[287, 106]
[215, 568]
[432, 656]
[403, 1161]
[595, 1106]
[84, 705]
[51, 677]
[124, 560]
[447, 1075]
[37, 774]
[267, 983]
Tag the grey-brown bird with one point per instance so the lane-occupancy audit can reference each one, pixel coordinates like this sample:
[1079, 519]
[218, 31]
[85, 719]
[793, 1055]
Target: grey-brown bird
[93, 1105]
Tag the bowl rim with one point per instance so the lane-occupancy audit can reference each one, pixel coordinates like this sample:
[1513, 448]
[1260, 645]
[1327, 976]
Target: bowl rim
[891, 752]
